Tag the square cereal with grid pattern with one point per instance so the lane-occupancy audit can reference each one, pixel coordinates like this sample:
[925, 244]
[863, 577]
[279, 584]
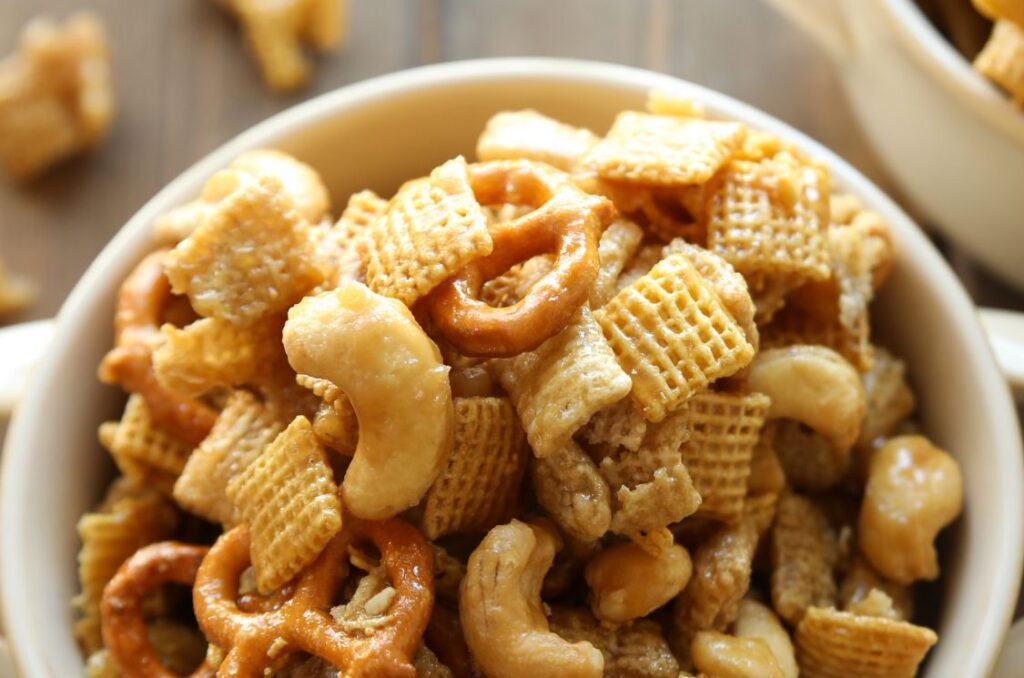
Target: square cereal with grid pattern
[430, 229]
[672, 335]
[141, 448]
[529, 135]
[664, 150]
[479, 487]
[290, 501]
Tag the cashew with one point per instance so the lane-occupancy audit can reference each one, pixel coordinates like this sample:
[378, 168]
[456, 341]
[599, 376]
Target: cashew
[814, 385]
[724, 656]
[914, 489]
[756, 620]
[502, 617]
[371, 348]
[627, 582]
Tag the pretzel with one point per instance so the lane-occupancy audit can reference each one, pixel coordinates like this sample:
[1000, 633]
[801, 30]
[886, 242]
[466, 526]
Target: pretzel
[124, 629]
[136, 327]
[254, 641]
[565, 220]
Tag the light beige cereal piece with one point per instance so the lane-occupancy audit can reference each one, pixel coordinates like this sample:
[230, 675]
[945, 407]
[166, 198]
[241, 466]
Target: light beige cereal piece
[620, 424]
[215, 353]
[760, 145]
[759, 509]
[667, 102]
[792, 325]
[804, 553]
[430, 229]
[768, 220]
[142, 450]
[721, 577]
[250, 258]
[756, 620]
[479, 486]
[807, 458]
[1002, 59]
[672, 334]
[640, 265]
[569, 487]
[16, 292]
[861, 580]
[633, 650]
[559, 386]
[766, 473]
[833, 644]
[664, 150]
[276, 31]
[243, 429]
[889, 397]
[56, 98]
[178, 223]
[290, 501]
[346, 245]
[335, 423]
[723, 656]
[664, 212]
[529, 135]
[724, 430]
[514, 284]
[619, 243]
[130, 517]
[843, 207]
[448, 573]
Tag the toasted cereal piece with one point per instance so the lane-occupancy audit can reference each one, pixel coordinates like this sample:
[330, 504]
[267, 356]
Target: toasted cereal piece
[275, 32]
[56, 98]
[178, 223]
[290, 501]
[130, 517]
[666, 102]
[808, 459]
[804, 554]
[448, 573]
[637, 649]
[15, 292]
[725, 656]
[350, 237]
[620, 424]
[335, 423]
[250, 258]
[529, 135]
[768, 220]
[721, 577]
[101, 664]
[664, 150]
[143, 451]
[889, 397]
[619, 243]
[792, 325]
[243, 429]
[659, 448]
[843, 207]
[515, 283]
[1002, 59]
[570, 489]
[558, 387]
[427, 664]
[214, 353]
[664, 212]
[430, 229]
[640, 265]
[672, 334]
[667, 496]
[760, 145]
[724, 430]
[759, 509]
[766, 473]
[833, 644]
[858, 583]
[479, 487]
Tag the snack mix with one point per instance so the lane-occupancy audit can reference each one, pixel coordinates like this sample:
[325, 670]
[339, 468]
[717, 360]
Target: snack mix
[586, 406]
[1001, 60]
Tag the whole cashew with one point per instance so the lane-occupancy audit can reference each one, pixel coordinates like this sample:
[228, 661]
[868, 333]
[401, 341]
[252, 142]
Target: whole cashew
[814, 385]
[627, 582]
[756, 620]
[502, 617]
[371, 348]
[914, 489]
[718, 654]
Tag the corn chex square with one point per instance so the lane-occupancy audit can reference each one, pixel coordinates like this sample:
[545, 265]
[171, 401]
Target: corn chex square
[142, 450]
[529, 135]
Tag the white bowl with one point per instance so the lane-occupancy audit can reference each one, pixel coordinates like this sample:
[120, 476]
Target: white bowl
[953, 142]
[382, 131]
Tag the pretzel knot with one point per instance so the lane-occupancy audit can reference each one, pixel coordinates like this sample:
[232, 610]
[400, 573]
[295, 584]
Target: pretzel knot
[255, 641]
[565, 220]
[124, 629]
[140, 302]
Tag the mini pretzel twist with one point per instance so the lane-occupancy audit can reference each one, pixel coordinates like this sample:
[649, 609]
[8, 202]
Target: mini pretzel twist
[124, 629]
[137, 332]
[255, 641]
[564, 220]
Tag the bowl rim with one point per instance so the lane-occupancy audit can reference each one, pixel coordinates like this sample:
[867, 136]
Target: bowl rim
[18, 449]
[952, 70]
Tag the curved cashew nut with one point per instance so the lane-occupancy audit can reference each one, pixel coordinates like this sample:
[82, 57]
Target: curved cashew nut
[756, 620]
[814, 385]
[914, 489]
[719, 654]
[371, 348]
[500, 606]
[627, 582]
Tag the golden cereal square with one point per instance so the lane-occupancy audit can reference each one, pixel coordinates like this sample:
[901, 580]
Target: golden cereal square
[430, 229]
[833, 644]
[724, 430]
[529, 135]
[243, 429]
[252, 257]
[335, 423]
[290, 501]
[346, 245]
[804, 553]
[479, 487]
[1002, 59]
[139, 445]
[664, 150]
[672, 335]
[768, 219]
[559, 386]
